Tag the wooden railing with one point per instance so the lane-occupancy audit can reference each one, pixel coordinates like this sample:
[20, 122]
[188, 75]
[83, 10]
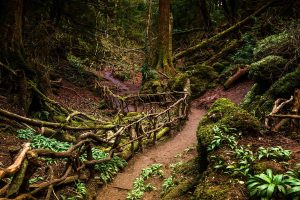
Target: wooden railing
[142, 119]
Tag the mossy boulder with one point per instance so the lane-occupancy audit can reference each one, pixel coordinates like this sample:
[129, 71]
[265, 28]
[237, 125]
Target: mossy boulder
[262, 166]
[177, 82]
[268, 69]
[227, 114]
[259, 101]
[215, 187]
[152, 86]
[272, 44]
[202, 77]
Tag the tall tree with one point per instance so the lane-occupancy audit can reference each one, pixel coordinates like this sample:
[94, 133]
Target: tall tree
[16, 71]
[205, 14]
[164, 52]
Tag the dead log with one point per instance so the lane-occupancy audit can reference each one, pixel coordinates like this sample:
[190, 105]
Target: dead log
[17, 164]
[220, 35]
[225, 51]
[238, 75]
[40, 123]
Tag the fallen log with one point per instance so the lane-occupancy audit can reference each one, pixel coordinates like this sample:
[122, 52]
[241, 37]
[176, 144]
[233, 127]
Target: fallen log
[239, 74]
[220, 35]
[225, 51]
[40, 123]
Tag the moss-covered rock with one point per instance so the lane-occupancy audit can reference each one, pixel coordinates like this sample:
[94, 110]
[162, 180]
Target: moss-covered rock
[259, 102]
[227, 113]
[177, 82]
[268, 69]
[202, 77]
[152, 86]
[271, 44]
[223, 113]
[216, 188]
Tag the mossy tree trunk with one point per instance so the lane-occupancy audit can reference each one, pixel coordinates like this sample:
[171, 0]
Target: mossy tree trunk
[17, 71]
[164, 52]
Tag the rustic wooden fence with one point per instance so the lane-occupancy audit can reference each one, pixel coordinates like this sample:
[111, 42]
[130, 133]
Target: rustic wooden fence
[142, 119]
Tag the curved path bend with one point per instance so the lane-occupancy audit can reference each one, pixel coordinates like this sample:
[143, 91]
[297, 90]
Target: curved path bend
[162, 153]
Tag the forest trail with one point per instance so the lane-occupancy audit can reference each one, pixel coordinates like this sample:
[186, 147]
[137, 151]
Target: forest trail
[162, 153]
[165, 152]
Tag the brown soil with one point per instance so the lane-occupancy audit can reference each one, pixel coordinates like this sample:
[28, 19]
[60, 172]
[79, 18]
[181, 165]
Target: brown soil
[163, 153]
[166, 152]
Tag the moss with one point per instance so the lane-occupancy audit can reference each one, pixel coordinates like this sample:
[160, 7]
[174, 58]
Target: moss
[260, 103]
[231, 115]
[223, 113]
[264, 165]
[177, 82]
[179, 190]
[202, 77]
[250, 97]
[268, 69]
[271, 43]
[216, 190]
[219, 67]
[152, 86]
[286, 85]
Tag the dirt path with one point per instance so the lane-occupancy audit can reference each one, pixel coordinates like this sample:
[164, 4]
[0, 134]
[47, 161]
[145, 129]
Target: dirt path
[165, 152]
[162, 153]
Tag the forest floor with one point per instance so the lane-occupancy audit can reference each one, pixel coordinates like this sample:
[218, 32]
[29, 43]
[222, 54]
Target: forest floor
[181, 147]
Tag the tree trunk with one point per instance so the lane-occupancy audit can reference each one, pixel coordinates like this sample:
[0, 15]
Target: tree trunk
[12, 55]
[205, 14]
[164, 61]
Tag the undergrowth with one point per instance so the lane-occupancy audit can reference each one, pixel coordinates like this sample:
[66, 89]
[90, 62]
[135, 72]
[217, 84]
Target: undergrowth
[139, 186]
[105, 170]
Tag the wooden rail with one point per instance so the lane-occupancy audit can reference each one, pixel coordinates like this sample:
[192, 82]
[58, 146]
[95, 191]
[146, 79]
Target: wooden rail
[142, 119]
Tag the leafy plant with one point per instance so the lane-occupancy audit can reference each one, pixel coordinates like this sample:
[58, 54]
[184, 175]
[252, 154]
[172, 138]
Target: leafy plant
[221, 137]
[35, 179]
[80, 189]
[106, 170]
[139, 186]
[266, 185]
[167, 184]
[274, 153]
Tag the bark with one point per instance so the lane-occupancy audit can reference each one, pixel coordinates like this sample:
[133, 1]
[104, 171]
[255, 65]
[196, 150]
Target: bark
[205, 14]
[238, 75]
[164, 61]
[225, 51]
[40, 123]
[12, 54]
[17, 164]
[219, 35]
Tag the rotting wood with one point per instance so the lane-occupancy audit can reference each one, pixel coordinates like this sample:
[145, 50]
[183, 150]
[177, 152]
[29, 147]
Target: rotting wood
[238, 75]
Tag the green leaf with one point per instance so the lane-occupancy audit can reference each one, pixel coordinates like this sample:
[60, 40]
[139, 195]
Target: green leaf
[294, 190]
[270, 190]
[264, 178]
